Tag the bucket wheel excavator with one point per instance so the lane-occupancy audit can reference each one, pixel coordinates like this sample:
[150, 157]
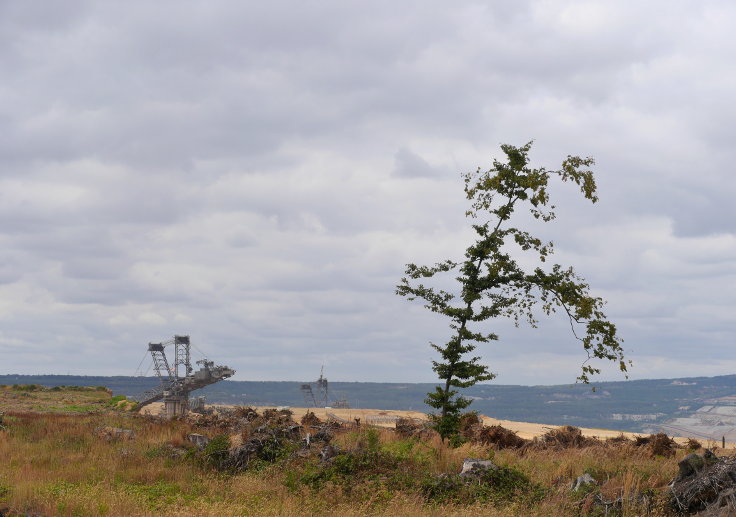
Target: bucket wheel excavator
[179, 379]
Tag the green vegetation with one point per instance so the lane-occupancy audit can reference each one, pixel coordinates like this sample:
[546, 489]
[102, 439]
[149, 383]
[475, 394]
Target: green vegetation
[26, 387]
[493, 284]
[500, 487]
[216, 452]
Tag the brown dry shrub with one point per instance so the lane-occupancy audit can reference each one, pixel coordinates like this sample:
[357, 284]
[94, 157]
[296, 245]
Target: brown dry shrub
[276, 417]
[658, 444]
[565, 437]
[663, 445]
[469, 422]
[406, 428]
[641, 441]
[693, 444]
[473, 430]
[410, 428]
[310, 420]
[212, 421]
[499, 437]
[618, 441]
[245, 413]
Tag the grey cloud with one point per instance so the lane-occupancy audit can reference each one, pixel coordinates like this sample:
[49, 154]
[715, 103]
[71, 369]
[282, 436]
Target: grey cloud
[231, 170]
[411, 165]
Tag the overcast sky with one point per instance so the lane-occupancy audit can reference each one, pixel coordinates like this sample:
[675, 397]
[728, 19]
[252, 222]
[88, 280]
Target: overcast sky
[257, 174]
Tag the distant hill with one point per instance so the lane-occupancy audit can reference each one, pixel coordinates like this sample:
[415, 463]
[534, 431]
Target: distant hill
[642, 405]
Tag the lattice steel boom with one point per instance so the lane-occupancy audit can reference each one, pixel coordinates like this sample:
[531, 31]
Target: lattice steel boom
[179, 380]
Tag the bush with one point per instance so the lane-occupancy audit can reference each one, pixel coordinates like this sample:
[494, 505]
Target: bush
[28, 387]
[116, 401]
[409, 451]
[468, 421]
[693, 444]
[217, 451]
[501, 486]
[273, 449]
[351, 467]
[498, 436]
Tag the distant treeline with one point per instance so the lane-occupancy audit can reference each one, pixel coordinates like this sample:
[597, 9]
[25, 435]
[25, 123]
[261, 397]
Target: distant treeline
[626, 405]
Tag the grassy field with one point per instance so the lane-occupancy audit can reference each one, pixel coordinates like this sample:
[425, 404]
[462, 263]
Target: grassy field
[70, 464]
[59, 399]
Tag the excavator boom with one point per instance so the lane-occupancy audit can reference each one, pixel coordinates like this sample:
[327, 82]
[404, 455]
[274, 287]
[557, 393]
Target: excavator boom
[173, 388]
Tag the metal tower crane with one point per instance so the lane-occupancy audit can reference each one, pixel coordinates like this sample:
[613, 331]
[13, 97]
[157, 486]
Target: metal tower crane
[179, 379]
[323, 388]
[323, 397]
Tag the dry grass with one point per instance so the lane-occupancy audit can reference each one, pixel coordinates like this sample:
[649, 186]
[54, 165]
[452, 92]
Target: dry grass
[76, 400]
[59, 465]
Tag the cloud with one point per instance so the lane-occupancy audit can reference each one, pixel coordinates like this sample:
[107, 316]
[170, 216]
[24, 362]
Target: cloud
[257, 175]
[411, 165]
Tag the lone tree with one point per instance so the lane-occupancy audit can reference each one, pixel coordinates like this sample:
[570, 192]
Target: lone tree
[491, 283]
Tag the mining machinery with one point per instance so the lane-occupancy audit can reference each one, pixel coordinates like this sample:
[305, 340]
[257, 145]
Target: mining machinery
[178, 379]
[323, 398]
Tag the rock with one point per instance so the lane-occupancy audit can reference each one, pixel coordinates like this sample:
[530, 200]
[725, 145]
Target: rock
[473, 467]
[199, 440]
[583, 481]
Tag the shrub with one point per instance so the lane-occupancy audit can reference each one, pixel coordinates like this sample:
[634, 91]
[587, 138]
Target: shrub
[217, 451]
[495, 435]
[273, 449]
[118, 401]
[501, 486]
[693, 444]
[468, 421]
[28, 387]
[409, 451]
